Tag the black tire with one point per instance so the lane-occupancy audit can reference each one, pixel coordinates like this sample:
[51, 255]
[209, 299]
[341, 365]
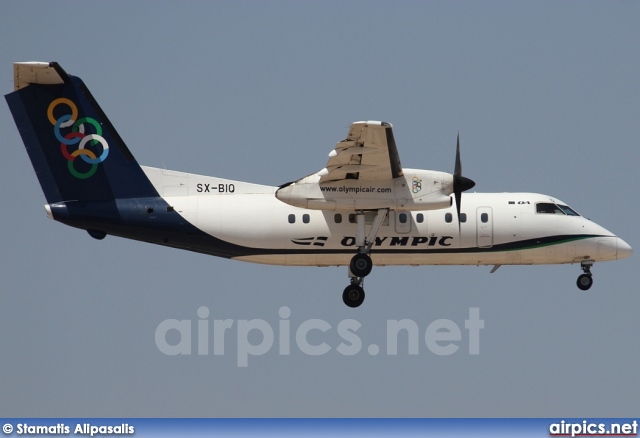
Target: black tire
[361, 265]
[353, 295]
[585, 281]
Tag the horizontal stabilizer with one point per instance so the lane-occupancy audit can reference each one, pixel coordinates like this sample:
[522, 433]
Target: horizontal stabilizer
[45, 73]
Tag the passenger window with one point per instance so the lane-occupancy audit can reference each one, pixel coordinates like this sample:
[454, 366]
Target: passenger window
[292, 218]
[352, 218]
[403, 218]
[448, 218]
[419, 218]
[305, 218]
[337, 218]
[463, 217]
[484, 217]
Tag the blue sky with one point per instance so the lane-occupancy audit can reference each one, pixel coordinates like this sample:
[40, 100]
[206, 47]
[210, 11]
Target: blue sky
[545, 97]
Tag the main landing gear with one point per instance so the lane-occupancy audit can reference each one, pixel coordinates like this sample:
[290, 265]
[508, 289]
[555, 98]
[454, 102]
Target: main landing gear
[361, 263]
[585, 281]
[353, 294]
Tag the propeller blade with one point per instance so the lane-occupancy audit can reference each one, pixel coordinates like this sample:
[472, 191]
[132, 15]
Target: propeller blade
[460, 183]
[458, 171]
[458, 196]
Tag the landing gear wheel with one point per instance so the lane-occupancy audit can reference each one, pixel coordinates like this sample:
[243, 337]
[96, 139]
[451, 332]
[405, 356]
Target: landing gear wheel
[353, 295]
[585, 281]
[361, 265]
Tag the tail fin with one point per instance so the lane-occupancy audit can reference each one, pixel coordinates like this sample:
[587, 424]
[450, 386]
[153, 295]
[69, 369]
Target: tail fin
[75, 150]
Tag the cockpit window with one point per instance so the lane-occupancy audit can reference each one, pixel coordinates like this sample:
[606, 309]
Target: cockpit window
[548, 207]
[568, 210]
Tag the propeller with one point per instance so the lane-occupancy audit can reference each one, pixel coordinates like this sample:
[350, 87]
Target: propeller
[460, 183]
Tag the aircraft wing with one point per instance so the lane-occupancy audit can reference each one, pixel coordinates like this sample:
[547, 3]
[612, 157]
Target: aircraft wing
[368, 153]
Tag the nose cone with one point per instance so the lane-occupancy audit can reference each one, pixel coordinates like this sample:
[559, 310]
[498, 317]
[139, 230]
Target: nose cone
[624, 250]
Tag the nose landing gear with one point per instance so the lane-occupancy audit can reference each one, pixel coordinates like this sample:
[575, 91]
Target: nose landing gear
[585, 281]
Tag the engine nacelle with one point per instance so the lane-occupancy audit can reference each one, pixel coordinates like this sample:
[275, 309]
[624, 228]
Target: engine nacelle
[414, 190]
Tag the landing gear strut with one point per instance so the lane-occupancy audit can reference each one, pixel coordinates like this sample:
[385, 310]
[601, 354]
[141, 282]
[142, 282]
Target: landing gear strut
[585, 281]
[361, 263]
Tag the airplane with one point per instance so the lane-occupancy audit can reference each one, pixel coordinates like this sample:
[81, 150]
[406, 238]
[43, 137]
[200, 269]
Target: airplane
[362, 209]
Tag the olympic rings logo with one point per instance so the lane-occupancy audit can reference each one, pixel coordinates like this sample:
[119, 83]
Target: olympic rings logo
[416, 184]
[78, 136]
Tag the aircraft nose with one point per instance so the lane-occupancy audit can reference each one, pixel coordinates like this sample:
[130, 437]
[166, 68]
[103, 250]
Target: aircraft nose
[624, 250]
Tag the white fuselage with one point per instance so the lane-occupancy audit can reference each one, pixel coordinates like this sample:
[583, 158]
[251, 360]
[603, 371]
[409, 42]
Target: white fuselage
[497, 228]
